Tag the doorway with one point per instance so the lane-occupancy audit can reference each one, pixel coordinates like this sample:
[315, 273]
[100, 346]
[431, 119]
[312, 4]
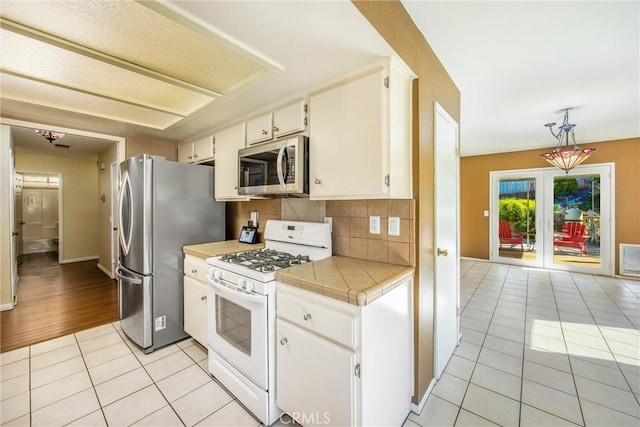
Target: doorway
[552, 219]
[41, 213]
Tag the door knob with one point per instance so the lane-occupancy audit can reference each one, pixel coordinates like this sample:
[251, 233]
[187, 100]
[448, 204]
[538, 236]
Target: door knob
[317, 181]
[283, 341]
[443, 252]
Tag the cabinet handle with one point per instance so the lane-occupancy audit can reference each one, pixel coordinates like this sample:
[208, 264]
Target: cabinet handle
[235, 188]
[204, 298]
[317, 181]
[276, 129]
[307, 317]
[283, 341]
[189, 157]
[264, 132]
[194, 270]
[195, 155]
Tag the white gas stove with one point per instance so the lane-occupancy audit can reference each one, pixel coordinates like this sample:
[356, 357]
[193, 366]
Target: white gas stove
[241, 310]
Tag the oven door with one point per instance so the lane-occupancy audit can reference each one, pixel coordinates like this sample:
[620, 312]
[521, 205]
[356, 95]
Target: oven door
[237, 328]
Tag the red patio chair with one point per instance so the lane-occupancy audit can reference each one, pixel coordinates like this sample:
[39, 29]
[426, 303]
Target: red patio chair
[507, 237]
[572, 237]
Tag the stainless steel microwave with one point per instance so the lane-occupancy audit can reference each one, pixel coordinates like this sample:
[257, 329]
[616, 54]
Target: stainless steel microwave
[278, 168]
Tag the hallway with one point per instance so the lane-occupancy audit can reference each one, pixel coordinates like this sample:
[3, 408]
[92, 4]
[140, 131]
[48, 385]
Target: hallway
[56, 300]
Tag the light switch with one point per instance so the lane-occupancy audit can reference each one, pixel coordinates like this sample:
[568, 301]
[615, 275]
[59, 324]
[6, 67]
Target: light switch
[394, 226]
[486, 213]
[255, 217]
[374, 224]
[329, 220]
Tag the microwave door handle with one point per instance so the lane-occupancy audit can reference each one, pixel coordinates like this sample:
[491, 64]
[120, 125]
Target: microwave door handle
[279, 164]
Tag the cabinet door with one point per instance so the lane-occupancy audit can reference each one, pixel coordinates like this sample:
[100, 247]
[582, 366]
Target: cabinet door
[289, 119]
[185, 152]
[348, 139]
[203, 149]
[260, 128]
[195, 309]
[315, 378]
[228, 142]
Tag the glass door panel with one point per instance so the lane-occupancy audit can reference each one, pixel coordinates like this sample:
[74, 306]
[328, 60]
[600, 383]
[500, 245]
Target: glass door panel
[579, 205]
[515, 226]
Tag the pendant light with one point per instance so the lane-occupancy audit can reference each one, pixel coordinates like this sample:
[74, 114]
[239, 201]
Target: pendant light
[564, 156]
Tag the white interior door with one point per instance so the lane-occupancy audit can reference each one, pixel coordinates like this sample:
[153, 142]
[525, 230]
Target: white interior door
[446, 239]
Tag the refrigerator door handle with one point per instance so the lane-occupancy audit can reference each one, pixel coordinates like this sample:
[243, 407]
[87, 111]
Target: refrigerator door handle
[125, 241]
[121, 276]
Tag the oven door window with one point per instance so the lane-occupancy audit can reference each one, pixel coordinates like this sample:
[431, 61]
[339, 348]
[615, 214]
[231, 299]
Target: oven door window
[233, 324]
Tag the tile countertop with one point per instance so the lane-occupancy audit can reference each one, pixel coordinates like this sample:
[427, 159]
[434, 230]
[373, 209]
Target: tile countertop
[208, 250]
[353, 280]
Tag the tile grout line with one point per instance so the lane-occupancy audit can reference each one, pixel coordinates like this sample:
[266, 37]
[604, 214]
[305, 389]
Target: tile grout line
[93, 386]
[483, 340]
[524, 348]
[609, 347]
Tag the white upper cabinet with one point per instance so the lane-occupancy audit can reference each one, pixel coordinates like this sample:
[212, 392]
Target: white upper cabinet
[228, 142]
[260, 128]
[204, 149]
[186, 152]
[290, 118]
[198, 151]
[360, 136]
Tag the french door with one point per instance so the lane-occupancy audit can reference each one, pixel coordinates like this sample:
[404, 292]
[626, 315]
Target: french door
[547, 218]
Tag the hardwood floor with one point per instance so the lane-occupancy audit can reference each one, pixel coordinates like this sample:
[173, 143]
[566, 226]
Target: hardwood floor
[56, 300]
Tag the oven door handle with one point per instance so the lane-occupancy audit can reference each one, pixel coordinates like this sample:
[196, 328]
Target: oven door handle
[218, 286]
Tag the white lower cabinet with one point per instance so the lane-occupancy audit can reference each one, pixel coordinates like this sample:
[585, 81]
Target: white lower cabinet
[195, 298]
[315, 377]
[343, 365]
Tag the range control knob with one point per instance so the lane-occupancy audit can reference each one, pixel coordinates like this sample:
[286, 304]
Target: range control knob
[249, 286]
[217, 274]
[242, 283]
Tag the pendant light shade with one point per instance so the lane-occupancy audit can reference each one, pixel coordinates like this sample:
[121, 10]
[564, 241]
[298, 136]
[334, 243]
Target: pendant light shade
[565, 156]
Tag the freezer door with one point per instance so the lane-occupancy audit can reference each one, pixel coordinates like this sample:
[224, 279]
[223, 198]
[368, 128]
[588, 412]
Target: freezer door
[135, 294]
[135, 210]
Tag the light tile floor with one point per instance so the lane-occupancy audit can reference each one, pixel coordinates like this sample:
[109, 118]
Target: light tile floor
[97, 377]
[538, 348]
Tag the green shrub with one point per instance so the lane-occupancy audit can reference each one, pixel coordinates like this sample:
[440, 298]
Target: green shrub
[514, 210]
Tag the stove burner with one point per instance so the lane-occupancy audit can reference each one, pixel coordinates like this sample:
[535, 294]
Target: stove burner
[265, 260]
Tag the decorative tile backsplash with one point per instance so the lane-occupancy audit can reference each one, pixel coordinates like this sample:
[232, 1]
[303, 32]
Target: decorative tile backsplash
[351, 235]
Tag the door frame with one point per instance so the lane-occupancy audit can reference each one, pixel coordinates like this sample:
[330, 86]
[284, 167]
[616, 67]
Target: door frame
[113, 218]
[5, 214]
[544, 199]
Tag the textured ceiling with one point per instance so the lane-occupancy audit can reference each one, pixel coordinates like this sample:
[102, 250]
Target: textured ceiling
[119, 60]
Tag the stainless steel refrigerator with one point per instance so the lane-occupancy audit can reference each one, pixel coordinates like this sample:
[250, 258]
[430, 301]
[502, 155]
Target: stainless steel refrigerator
[163, 206]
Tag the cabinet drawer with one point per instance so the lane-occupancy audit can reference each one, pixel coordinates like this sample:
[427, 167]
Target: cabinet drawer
[195, 267]
[334, 325]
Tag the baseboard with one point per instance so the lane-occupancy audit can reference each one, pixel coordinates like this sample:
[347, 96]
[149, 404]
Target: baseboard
[86, 258]
[105, 271]
[474, 259]
[420, 406]
[7, 306]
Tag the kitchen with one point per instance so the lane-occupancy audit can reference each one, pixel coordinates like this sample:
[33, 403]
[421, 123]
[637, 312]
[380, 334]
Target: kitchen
[423, 216]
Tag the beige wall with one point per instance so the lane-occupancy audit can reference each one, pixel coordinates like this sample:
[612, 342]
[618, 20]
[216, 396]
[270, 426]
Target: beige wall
[433, 84]
[108, 156]
[137, 145]
[79, 192]
[475, 190]
[6, 193]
